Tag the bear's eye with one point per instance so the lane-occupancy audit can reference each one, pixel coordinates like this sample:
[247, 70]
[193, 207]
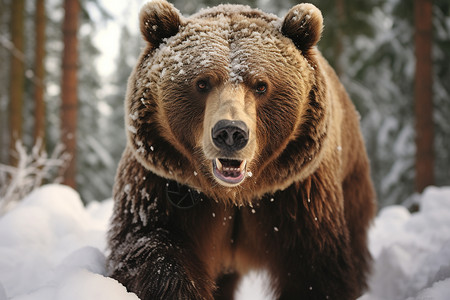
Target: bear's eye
[261, 88]
[202, 85]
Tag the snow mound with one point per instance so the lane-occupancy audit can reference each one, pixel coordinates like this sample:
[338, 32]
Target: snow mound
[52, 247]
[412, 251]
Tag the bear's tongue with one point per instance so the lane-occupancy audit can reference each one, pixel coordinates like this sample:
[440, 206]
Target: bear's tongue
[229, 170]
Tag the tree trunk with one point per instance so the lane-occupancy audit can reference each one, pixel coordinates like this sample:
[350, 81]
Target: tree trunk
[69, 87]
[4, 92]
[423, 97]
[17, 78]
[39, 110]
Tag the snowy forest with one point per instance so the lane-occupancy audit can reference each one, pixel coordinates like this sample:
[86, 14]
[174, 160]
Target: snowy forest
[63, 78]
[65, 66]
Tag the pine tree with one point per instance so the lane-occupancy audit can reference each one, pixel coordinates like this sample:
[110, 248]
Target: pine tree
[375, 65]
[4, 78]
[53, 64]
[17, 77]
[103, 147]
[95, 159]
[114, 122]
[39, 71]
[441, 89]
[381, 83]
[423, 97]
[69, 86]
[92, 154]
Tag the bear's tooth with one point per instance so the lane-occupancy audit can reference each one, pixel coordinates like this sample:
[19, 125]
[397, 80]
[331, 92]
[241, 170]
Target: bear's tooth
[242, 166]
[219, 165]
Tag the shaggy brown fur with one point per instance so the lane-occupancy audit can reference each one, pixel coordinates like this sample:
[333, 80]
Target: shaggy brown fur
[283, 186]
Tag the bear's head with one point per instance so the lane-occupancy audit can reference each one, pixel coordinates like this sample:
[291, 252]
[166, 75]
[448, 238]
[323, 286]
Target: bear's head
[229, 101]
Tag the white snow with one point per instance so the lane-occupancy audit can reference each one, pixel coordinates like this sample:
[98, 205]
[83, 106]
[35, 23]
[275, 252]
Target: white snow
[52, 247]
[412, 251]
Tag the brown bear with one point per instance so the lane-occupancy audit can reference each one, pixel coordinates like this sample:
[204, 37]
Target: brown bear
[243, 153]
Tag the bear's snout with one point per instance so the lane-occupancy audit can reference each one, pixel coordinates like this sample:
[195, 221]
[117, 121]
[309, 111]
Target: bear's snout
[230, 135]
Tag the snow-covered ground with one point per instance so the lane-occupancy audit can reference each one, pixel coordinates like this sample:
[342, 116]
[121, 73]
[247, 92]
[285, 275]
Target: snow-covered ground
[52, 247]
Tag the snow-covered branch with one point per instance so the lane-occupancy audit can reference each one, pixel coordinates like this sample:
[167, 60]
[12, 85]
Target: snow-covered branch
[31, 171]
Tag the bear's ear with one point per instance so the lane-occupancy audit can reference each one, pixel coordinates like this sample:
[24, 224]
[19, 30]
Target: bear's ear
[303, 25]
[158, 20]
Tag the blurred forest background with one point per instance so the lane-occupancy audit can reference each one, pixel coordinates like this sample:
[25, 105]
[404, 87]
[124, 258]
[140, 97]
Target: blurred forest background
[60, 113]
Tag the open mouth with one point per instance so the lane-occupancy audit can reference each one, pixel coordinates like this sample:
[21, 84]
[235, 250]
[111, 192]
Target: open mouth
[231, 171]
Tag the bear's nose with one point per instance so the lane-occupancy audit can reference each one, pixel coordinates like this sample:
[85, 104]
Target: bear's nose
[230, 135]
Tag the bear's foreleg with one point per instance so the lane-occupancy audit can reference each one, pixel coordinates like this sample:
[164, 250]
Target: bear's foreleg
[315, 258]
[155, 267]
[326, 275]
[148, 256]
